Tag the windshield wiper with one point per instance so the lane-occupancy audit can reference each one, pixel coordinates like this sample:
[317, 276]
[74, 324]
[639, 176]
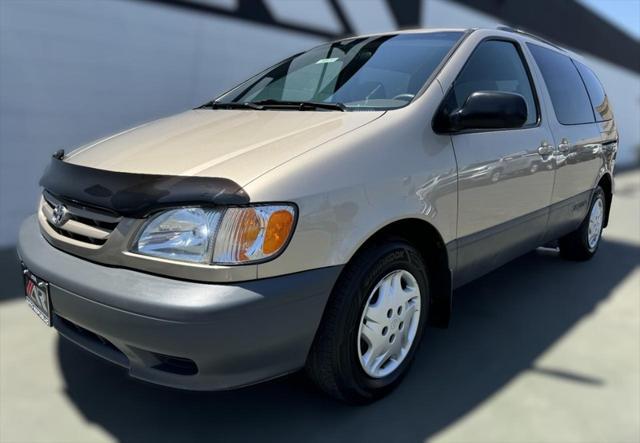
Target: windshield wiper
[300, 105]
[232, 105]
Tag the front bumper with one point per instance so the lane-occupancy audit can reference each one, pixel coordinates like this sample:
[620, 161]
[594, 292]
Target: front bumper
[178, 333]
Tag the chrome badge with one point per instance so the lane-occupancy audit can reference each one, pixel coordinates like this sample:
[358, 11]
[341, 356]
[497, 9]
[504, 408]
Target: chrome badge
[60, 215]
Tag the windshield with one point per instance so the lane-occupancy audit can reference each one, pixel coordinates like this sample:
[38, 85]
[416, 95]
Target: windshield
[379, 72]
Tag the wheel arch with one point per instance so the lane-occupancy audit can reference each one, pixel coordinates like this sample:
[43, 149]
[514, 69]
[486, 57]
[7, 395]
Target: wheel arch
[606, 183]
[426, 238]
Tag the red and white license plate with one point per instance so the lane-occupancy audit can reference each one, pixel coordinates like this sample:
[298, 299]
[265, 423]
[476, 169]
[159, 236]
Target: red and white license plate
[36, 291]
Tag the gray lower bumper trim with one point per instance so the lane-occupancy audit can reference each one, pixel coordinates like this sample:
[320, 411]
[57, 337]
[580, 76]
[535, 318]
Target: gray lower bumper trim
[236, 334]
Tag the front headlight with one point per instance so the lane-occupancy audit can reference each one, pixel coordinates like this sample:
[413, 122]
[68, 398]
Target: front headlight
[224, 236]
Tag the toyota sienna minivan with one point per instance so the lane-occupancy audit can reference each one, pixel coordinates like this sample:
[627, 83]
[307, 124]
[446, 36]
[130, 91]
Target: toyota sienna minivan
[320, 214]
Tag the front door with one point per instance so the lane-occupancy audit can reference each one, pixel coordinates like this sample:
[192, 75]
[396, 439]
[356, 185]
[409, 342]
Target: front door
[505, 177]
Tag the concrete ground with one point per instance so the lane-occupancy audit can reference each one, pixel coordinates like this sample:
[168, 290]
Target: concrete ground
[541, 350]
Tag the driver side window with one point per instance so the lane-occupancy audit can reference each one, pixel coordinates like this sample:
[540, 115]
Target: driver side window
[495, 65]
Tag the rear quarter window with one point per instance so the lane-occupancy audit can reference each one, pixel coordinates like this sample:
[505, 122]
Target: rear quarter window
[566, 88]
[599, 100]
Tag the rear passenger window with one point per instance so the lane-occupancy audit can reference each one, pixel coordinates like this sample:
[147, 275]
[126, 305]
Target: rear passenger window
[495, 65]
[568, 94]
[598, 97]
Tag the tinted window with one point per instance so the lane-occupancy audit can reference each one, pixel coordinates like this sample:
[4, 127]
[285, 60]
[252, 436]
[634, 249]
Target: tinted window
[494, 66]
[568, 94]
[598, 97]
[380, 72]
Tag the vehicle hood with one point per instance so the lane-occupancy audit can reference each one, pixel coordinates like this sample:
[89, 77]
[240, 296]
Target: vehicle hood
[236, 144]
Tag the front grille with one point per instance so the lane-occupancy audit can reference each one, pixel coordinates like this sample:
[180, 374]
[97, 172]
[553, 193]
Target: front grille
[82, 224]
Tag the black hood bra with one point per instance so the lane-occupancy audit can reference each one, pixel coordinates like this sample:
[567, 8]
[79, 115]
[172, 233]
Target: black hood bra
[135, 195]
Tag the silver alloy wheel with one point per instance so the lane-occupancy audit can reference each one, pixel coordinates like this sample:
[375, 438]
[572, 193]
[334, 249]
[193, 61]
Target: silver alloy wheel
[389, 323]
[595, 223]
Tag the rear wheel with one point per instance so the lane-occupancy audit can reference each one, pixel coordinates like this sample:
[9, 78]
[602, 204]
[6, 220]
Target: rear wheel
[583, 243]
[372, 324]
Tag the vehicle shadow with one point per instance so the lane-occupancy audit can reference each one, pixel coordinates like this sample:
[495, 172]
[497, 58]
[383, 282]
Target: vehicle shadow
[502, 323]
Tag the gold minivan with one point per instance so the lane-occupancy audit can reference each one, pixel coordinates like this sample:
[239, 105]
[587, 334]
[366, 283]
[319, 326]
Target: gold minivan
[320, 214]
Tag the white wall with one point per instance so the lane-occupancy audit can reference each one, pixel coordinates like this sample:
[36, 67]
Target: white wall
[73, 71]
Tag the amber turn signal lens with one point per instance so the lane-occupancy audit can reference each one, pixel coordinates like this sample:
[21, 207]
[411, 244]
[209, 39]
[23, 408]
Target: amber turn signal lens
[254, 233]
[278, 230]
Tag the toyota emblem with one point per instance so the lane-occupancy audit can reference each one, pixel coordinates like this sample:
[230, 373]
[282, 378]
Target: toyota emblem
[60, 215]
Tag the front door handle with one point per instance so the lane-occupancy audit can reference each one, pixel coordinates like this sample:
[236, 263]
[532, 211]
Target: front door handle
[545, 149]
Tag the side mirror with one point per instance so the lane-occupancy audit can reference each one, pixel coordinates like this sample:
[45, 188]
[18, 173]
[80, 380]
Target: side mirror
[485, 110]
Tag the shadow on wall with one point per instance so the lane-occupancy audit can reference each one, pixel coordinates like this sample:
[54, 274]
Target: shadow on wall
[501, 324]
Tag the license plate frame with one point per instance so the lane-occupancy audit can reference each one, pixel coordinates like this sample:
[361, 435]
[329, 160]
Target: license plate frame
[36, 291]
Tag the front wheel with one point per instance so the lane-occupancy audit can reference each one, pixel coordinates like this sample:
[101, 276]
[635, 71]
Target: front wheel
[583, 243]
[372, 324]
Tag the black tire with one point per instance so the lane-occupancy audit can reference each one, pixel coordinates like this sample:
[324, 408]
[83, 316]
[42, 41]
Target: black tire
[333, 362]
[575, 245]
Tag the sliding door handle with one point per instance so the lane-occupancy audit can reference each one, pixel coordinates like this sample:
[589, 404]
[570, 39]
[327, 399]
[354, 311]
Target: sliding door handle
[564, 146]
